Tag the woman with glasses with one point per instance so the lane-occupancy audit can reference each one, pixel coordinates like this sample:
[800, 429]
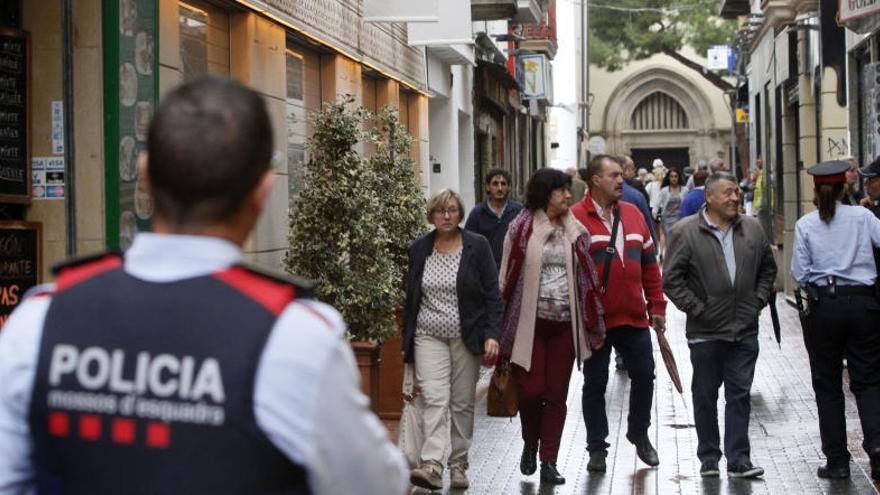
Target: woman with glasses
[452, 318]
[552, 317]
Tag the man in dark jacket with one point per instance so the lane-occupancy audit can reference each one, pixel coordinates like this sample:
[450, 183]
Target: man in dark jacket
[722, 316]
[491, 217]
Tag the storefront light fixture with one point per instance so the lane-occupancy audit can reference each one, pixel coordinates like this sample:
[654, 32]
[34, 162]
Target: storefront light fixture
[264, 9]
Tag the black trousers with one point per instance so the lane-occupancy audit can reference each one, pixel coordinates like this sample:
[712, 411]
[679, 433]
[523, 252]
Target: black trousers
[845, 326]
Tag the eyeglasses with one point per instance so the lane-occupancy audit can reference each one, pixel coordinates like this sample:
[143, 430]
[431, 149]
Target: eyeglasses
[446, 211]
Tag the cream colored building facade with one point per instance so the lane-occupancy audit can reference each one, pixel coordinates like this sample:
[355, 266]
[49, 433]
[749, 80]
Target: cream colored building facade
[297, 54]
[659, 107]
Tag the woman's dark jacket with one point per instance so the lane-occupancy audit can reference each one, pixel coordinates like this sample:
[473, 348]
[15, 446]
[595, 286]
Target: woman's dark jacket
[479, 301]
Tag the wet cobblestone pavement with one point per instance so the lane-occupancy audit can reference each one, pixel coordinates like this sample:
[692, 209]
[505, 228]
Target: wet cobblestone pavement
[783, 431]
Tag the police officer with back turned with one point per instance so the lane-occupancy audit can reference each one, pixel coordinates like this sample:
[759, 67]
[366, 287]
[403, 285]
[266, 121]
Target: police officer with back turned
[834, 266]
[174, 368]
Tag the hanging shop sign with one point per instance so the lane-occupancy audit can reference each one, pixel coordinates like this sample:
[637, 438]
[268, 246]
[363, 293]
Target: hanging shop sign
[535, 77]
[20, 263]
[401, 11]
[15, 173]
[861, 16]
[742, 115]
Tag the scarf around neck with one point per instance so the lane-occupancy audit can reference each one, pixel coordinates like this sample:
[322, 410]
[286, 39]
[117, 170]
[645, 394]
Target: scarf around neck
[587, 283]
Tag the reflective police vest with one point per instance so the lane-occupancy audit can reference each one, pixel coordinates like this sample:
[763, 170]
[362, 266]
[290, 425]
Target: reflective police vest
[146, 387]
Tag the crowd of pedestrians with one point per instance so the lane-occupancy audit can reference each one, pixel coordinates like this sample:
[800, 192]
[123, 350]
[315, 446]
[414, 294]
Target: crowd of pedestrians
[544, 287]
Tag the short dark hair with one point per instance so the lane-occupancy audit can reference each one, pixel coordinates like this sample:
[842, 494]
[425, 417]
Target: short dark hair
[495, 172]
[595, 167]
[582, 173]
[542, 184]
[700, 178]
[209, 145]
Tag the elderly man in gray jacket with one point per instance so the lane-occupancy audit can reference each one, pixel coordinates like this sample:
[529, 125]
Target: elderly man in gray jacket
[719, 269]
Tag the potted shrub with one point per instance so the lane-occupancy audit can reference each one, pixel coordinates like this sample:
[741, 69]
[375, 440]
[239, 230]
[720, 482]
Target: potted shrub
[344, 234]
[403, 220]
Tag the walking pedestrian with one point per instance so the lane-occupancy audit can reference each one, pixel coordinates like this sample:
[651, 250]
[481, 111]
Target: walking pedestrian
[175, 368]
[622, 245]
[871, 176]
[452, 318]
[578, 187]
[853, 194]
[833, 263]
[552, 316]
[491, 217]
[722, 316]
[629, 176]
[696, 197]
[672, 193]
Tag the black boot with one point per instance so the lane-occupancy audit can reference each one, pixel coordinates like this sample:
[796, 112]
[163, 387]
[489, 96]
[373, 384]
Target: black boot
[645, 450]
[874, 454]
[833, 471]
[528, 463]
[549, 474]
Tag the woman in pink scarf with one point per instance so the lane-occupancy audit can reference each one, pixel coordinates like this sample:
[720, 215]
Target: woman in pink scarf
[552, 315]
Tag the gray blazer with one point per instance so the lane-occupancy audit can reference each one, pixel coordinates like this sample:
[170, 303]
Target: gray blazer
[694, 277]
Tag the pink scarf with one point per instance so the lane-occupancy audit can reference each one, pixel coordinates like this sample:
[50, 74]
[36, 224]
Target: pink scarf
[520, 231]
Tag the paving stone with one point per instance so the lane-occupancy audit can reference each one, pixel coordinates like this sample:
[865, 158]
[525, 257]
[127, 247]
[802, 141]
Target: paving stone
[784, 433]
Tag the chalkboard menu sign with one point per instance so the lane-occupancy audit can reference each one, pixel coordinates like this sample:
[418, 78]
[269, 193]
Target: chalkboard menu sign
[15, 176]
[20, 263]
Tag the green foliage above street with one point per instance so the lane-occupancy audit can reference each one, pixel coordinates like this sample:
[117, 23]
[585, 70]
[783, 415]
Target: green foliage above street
[355, 217]
[622, 31]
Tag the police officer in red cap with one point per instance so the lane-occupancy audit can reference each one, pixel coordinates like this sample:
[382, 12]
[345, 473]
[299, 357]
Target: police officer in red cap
[175, 368]
[834, 265]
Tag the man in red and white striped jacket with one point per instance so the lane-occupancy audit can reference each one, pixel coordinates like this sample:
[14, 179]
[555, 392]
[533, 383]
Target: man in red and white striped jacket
[633, 300]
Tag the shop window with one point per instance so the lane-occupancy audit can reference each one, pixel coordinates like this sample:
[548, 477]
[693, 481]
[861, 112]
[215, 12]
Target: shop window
[204, 40]
[303, 96]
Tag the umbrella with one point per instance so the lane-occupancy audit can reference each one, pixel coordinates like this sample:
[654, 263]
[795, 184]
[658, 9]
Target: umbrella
[669, 361]
[774, 315]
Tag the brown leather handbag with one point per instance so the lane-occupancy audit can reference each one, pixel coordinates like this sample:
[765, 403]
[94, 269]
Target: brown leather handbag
[503, 400]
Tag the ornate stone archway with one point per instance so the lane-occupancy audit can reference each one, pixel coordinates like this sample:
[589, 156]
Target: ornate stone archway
[700, 136]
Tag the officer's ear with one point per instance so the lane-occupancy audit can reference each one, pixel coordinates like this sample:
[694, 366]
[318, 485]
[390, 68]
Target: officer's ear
[260, 194]
[143, 169]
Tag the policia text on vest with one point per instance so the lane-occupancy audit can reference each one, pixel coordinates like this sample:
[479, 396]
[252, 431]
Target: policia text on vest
[166, 376]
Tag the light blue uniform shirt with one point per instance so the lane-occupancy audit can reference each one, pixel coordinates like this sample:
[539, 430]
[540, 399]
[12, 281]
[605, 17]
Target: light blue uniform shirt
[307, 398]
[841, 248]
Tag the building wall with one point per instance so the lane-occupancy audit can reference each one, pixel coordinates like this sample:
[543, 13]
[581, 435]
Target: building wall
[616, 94]
[43, 20]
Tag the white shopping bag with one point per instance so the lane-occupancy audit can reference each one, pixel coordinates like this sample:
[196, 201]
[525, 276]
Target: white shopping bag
[412, 432]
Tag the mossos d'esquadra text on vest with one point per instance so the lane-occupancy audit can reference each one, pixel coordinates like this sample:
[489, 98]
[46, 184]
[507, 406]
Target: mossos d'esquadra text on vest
[164, 376]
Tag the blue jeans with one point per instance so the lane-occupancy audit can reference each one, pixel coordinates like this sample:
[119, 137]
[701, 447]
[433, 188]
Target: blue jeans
[634, 345]
[733, 364]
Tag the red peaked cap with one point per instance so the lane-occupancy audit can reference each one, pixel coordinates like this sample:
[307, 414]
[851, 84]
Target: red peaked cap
[830, 172]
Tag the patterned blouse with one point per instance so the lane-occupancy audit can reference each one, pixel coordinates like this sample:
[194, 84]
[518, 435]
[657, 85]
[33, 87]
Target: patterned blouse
[438, 312]
[553, 291]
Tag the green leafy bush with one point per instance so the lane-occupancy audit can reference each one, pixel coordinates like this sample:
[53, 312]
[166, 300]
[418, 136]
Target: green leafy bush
[355, 217]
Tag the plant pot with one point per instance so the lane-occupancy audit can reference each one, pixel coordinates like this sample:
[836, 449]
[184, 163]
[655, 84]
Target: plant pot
[391, 379]
[367, 357]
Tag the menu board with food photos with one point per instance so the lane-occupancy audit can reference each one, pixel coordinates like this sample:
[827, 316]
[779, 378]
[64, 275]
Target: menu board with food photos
[15, 176]
[20, 263]
[134, 74]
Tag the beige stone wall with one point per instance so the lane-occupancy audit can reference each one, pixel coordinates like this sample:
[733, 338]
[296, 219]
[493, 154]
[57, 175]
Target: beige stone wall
[603, 84]
[88, 121]
[42, 18]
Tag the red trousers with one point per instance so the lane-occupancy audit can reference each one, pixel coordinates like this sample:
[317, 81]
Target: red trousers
[543, 390]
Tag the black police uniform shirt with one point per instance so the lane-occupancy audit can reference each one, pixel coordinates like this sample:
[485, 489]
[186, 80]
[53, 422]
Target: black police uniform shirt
[235, 386]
